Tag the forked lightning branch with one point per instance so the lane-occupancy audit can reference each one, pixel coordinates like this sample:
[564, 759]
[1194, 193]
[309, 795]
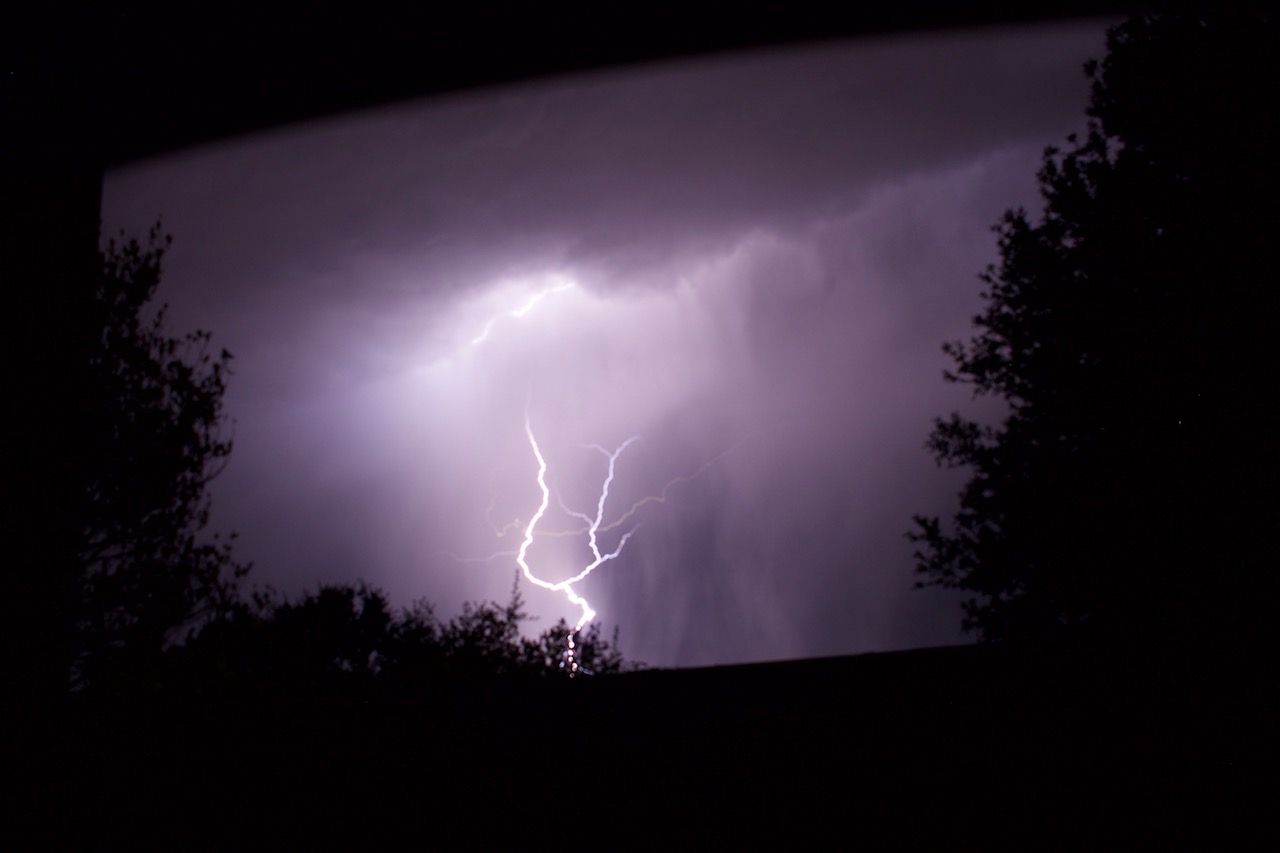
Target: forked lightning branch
[593, 529]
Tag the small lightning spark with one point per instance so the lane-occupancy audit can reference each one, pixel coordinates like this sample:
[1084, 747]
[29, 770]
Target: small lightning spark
[509, 527]
[593, 528]
[521, 311]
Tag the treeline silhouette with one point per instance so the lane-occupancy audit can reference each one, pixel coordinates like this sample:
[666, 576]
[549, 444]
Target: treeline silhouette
[347, 637]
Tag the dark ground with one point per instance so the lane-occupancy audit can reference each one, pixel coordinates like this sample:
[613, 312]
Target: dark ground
[959, 747]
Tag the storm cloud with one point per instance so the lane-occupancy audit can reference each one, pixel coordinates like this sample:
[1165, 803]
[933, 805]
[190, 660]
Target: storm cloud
[748, 261]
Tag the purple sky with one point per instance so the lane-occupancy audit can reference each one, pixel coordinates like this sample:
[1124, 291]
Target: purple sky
[749, 261]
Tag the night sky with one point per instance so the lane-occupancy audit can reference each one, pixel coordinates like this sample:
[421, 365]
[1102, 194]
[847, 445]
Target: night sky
[749, 262]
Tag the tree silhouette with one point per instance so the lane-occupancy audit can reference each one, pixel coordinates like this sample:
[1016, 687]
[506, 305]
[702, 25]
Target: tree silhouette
[485, 638]
[152, 418]
[414, 652]
[1122, 497]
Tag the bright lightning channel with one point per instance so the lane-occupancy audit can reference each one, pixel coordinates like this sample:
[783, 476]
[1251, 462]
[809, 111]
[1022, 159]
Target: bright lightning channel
[593, 528]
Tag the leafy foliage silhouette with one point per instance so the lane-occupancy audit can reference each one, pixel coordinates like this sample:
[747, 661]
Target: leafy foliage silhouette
[1122, 496]
[152, 429]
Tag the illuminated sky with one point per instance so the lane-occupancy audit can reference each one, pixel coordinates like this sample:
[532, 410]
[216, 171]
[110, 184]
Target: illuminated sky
[750, 262]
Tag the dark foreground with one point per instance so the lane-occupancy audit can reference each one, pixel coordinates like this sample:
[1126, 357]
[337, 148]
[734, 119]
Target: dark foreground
[958, 747]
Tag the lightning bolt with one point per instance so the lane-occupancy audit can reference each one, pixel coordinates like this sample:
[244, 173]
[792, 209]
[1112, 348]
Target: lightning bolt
[521, 311]
[592, 531]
